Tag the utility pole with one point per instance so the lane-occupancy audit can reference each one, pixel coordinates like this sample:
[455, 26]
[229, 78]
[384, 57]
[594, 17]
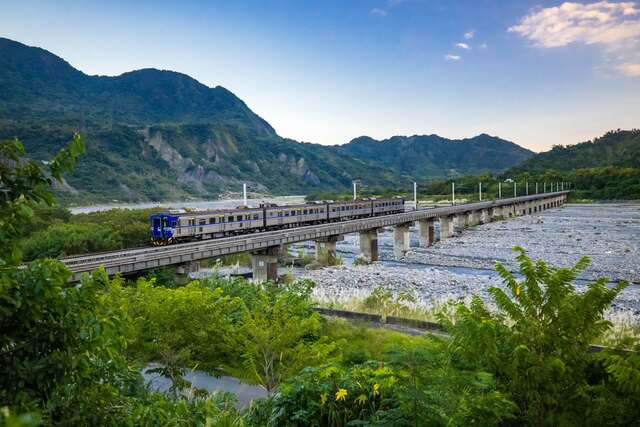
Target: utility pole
[480, 191]
[453, 193]
[527, 187]
[536, 188]
[354, 191]
[415, 196]
[544, 187]
[244, 194]
[499, 190]
[515, 189]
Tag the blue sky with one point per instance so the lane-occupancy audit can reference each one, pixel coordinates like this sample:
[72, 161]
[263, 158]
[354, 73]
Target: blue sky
[536, 73]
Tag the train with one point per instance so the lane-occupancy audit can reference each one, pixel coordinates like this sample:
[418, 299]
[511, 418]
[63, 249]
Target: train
[168, 228]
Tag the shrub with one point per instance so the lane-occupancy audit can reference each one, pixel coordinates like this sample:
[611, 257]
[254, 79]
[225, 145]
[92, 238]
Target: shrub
[537, 344]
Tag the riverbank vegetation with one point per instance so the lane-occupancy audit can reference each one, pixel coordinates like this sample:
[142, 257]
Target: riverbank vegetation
[71, 354]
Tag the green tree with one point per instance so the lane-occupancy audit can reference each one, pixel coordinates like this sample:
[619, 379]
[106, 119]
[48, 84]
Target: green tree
[56, 339]
[280, 334]
[537, 344]
[23, 184]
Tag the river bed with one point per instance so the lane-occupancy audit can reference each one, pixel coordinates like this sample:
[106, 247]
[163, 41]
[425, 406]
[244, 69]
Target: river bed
[457, 268]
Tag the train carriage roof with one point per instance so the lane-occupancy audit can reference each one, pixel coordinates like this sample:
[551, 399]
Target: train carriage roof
[297, 206]
[195, 214]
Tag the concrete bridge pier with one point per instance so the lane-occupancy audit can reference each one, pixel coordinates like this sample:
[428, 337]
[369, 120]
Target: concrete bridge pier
[426, 232]
[401, 240]
[446, 227]
[188, 267]
[473, 218]
[329, 245]
[495, 212]
[462, 220]
[484, 216]
[265, 265]
[369, 245]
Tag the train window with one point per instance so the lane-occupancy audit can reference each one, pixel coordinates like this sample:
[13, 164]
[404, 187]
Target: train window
[192, 221]
[286, 213]
[304, 212]
[239, 218]
[230, 219]
[212, 220]
[255, 216]
[202, 221]
[221, 219]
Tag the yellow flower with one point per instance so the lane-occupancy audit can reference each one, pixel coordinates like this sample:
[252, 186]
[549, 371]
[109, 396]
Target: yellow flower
[362, 399]
[518, 291]
[376, 389]
[341, 394]
[323, 398]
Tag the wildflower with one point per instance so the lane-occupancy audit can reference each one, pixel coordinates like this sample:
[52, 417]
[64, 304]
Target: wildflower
[376, 389]
[341, 394]
[362, 399]
[323, 398]
[518, 291]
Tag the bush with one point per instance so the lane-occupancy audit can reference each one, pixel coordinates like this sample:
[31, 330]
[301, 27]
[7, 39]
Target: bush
[537, 344]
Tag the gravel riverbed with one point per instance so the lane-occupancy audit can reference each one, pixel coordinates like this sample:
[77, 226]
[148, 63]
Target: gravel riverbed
[457, 268]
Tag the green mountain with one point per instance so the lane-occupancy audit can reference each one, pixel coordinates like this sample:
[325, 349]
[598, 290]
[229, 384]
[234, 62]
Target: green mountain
[422, 156]
[606, 168]
[159, 135]
[619, 148]
[39, 85]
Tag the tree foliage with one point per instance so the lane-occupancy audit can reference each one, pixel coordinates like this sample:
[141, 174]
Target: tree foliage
[537, 343]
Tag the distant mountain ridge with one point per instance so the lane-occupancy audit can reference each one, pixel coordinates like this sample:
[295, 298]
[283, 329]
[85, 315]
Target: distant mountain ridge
[431, 155]
[159, 135]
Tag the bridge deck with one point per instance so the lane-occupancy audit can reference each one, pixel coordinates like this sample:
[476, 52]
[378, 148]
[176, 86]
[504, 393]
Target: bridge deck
[132, 260]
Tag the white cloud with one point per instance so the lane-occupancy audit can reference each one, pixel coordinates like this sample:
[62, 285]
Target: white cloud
[613, 26]
[469, 34]
[452, 57]
[463, 46]
[629, 69]
[601, 22]
[384, 10]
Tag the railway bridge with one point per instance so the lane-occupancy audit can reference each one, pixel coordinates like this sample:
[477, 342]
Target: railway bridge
[264, 246]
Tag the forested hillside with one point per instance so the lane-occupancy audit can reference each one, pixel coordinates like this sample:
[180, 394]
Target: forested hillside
[606, 168]
[615, 148]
